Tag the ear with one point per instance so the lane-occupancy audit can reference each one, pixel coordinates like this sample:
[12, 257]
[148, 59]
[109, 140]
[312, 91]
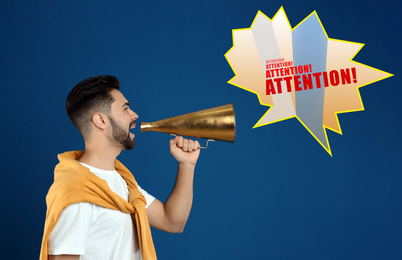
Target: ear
[100, 120]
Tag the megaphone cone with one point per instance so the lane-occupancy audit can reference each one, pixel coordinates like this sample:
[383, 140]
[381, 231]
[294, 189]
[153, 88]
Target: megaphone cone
[217, 123]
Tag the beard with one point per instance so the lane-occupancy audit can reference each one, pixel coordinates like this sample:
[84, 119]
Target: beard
[121, 136]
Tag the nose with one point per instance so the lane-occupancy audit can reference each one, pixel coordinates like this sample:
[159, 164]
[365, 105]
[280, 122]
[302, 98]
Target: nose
[133, 115]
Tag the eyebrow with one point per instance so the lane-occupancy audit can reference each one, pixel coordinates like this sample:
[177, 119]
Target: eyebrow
[126, 104]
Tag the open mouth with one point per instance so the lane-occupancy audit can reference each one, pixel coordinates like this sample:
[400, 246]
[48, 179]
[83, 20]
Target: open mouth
[132, 126]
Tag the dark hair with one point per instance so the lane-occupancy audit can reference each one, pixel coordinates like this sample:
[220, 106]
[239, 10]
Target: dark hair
[88, 97]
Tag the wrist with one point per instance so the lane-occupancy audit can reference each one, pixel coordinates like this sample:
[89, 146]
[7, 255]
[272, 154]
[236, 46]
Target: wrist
[186, 165]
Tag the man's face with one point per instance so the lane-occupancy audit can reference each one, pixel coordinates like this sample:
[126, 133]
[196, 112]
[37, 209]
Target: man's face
[122, 119]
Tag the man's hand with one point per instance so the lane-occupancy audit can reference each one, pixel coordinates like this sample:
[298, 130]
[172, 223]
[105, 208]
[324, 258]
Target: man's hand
[185, 150]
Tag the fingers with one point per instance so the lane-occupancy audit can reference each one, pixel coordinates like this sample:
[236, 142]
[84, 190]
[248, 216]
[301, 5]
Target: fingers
[174, 140]
[187, 145]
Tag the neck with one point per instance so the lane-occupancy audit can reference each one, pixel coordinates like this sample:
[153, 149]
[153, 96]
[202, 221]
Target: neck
[99, 155]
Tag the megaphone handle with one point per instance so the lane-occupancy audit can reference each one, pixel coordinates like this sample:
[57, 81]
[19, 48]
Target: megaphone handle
[212, 140]
[206, 145]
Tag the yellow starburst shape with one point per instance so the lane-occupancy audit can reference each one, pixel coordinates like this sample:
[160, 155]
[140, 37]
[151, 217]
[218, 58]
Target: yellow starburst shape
[299, 72]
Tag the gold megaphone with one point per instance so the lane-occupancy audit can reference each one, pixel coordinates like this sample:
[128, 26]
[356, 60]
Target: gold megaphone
[217, 123]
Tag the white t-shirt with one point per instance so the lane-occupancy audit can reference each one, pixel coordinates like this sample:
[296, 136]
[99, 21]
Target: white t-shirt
[95, 232]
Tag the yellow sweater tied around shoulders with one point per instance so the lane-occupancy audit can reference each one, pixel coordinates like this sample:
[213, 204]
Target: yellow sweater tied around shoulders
[74, 183]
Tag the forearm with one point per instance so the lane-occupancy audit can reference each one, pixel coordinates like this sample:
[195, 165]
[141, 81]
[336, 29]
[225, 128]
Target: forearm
[64, 257]
[178, 205]
[172, 215]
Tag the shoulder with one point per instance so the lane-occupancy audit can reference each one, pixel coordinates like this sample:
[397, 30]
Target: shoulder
[67, 187]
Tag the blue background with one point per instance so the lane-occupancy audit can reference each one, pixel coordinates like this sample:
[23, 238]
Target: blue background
[273, 194]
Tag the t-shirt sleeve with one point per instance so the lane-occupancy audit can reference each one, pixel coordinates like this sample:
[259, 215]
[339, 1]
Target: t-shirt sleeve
[70, 233]
[148, 197]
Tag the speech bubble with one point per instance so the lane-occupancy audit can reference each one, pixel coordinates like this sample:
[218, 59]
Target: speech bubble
[299, 72]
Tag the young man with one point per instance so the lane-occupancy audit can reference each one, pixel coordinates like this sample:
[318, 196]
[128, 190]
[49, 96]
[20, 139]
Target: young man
[96, 210]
